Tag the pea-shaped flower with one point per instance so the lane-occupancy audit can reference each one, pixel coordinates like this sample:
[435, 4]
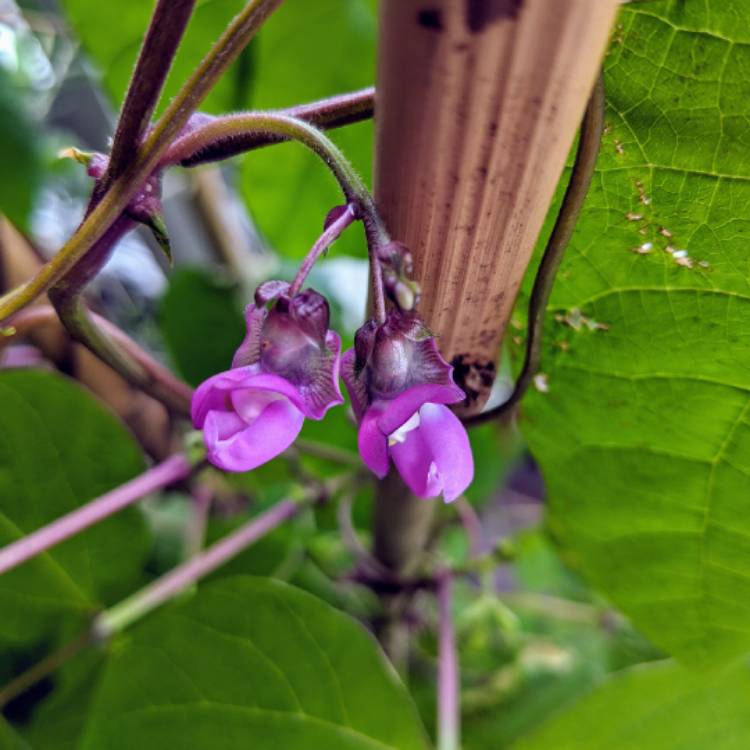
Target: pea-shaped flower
[399, 385]
[286, 369]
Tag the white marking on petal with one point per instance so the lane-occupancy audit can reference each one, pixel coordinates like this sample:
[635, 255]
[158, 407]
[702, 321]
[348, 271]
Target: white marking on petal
[399, 435]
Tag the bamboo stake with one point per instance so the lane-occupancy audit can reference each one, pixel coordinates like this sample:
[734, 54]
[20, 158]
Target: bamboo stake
[478, 104]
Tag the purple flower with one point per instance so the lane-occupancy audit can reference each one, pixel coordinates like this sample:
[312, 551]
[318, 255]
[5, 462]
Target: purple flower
[286, 369]
[399, 385]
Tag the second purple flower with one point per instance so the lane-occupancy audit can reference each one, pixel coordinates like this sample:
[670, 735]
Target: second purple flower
[286, 369]
[399, 385]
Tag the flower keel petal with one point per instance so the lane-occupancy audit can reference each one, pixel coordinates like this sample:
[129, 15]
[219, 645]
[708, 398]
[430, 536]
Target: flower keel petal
[449, 446]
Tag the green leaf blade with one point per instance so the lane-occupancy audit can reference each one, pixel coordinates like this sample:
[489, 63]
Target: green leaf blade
[644, 435]
[59, 449]
[254, 662]
[657, 707]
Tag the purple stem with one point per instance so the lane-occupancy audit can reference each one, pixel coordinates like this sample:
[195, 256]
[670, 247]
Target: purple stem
[173, 469]
[134, 607]
[334, 112]
[448, 718]
[378, 291]
[161, 383]
[329, 236]
[167, 26]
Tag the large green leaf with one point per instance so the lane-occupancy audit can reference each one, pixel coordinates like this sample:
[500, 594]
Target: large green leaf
[251, 663]
[9, 740]
[657, 707]
[58, 449]
[644, 433]
[111, 33]
[288, 189]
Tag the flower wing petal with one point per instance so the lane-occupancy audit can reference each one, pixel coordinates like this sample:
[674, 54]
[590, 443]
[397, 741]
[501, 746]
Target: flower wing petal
[271, 433]
[429, 365]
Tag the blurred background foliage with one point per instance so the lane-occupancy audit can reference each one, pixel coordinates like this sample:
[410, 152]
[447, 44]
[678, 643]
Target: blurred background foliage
[533, 636]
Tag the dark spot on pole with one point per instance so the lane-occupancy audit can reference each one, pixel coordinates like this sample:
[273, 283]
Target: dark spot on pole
[430, 19]
[475, 377]
[481, 13]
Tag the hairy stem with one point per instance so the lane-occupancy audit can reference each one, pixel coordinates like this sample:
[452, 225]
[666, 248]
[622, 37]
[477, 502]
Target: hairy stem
[160, 382]
[168, 23]
[119, 617]
[223, 130]
[116, 198]
[175, 468]
[322, 244]
[575, 194]
[271, 124]
[449, 712]
[145, 374]
[333, 112]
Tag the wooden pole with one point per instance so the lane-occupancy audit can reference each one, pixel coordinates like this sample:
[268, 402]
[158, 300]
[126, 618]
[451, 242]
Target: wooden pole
[478, 104]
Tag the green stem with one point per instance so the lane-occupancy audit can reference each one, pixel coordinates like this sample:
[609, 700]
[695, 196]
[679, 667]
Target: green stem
[81, 326]
[333, 112]
[119, 617]
[147, 375]
[329, 236]
[289, 128]
[122, 190]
